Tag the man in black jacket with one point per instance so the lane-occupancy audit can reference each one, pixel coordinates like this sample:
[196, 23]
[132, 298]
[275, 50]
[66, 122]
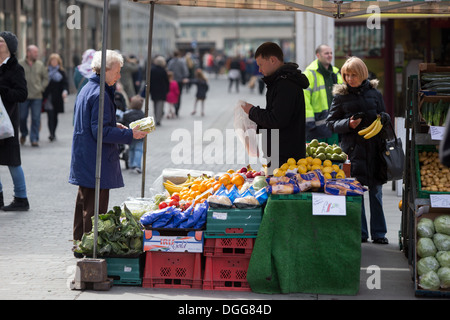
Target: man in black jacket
[285, 109]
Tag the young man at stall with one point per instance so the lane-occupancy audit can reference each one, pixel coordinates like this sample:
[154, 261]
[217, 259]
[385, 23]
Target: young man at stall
[285, 109]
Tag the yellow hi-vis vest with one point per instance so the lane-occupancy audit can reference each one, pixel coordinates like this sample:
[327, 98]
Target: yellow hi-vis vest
[316, 102]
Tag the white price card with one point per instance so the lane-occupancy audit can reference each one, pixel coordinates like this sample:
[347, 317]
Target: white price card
[328, 205]
[219, 215]
[437, 133]
[440, 200]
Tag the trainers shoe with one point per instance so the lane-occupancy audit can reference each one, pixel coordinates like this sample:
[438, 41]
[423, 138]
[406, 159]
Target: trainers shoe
[18, 204]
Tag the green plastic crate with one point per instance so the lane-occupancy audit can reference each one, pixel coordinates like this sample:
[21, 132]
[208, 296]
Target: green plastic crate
[125, 271]
[233, 223]
[423, 193]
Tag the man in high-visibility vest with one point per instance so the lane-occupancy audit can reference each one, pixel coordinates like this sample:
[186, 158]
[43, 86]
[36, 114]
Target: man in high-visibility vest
[318, 97]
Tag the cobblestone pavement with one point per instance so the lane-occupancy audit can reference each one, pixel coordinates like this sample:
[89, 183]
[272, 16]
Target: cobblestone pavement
[35, 246]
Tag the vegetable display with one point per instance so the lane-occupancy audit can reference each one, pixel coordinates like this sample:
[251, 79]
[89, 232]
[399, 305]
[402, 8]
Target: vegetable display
[438, 82]
[435, 113]
[434, 176]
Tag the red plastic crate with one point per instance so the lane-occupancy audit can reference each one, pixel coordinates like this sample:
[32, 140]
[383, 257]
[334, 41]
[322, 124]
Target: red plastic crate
[227, 273]
[182, 270]
[241, 247]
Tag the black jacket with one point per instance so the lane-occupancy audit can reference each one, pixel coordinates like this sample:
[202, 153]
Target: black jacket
[367, 164]
[13, 89]
[159, 83]
[285, 111]
[55, 90]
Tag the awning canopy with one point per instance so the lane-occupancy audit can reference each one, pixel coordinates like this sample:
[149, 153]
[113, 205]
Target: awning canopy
[330, 8]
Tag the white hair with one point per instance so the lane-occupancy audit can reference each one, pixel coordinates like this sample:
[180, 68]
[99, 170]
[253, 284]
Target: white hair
[112, 57]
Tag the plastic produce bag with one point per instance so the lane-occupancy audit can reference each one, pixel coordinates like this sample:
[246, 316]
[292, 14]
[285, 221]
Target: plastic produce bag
[150, 218]
[6, 127]
[245, 130]
[427, 264]
[425, 228]
[430, 281]
[441, 241]
[442, 224]
[426, 247]
[443, 257]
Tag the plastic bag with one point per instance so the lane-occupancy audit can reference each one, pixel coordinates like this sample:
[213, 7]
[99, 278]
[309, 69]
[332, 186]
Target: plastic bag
[430, 281]
[443, 257]
[441, 241]
[427, 264]
[442, 224]
[426, 247]
[425, 228]
[245, 130]
[344, 187]
[6, 127]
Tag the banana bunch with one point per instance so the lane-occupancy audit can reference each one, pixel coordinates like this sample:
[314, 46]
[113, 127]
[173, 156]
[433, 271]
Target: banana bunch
[372, 130]
[173, 187]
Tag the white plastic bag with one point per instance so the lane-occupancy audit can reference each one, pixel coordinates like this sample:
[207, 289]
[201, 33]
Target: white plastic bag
[245, 130]
[6, 127]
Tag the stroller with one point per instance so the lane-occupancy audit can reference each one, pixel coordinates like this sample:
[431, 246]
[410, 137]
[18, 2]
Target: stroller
[121, 106]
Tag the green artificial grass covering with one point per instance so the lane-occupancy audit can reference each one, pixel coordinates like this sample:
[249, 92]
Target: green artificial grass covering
[298, 252]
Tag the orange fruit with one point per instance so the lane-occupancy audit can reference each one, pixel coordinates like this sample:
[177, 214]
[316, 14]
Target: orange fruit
[225, 179]
[238, 180]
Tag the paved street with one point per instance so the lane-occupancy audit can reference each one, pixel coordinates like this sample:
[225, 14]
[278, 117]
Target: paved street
[35, 246]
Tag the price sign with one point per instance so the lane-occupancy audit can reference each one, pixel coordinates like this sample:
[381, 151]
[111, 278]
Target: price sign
[440, 200]
[437, 133]
[328, 205]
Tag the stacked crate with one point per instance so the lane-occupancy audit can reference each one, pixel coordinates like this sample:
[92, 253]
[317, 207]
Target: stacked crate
[229, 239]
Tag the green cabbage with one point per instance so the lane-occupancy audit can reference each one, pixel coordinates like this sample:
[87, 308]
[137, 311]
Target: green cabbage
[427, 264]
[444, 277]
[441, 241]
[426, 247]
[442, 224]
[443, 257]
[259, 182]
[425, 228]
[430, 281]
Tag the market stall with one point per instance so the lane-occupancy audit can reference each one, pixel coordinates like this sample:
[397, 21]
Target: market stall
[425, 232]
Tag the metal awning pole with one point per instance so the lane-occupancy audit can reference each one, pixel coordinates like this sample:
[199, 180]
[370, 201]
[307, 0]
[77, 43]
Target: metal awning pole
[100, 124]
[147, 91]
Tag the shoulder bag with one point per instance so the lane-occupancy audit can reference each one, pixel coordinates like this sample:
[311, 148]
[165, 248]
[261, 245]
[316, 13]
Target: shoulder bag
[393, 154]
[6, 127]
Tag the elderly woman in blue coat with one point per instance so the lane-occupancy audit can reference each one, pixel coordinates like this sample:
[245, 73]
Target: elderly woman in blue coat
[84, 144]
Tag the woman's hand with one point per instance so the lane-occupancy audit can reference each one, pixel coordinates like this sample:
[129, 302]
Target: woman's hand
[138, 134]
[121, 126]
[353, 123]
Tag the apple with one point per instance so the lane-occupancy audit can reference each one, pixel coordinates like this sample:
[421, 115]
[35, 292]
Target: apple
[243, 170]
[257, 173]
[249, 174]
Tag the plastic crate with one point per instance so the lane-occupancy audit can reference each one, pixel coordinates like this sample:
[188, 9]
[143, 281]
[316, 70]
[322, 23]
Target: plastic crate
[424, 193]
[125, 271]
[241, 247]
[178, 270]
[227, 273]
[233, 223]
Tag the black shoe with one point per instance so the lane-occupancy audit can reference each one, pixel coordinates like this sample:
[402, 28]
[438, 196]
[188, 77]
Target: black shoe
[381, 241]
[1, 200]
[363, 240]
[18, 204]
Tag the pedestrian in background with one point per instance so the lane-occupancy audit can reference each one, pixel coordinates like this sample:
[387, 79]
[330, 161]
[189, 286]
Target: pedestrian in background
[159, 86]
[180, 72]
[136, 148]
[13, 90]
[172, 96]
[84, 144]
[55, 93]
[202, 87]
[83, 71]
[318, 96]
[36, 75]
[234, 74]
[358, 94]
[130, 67]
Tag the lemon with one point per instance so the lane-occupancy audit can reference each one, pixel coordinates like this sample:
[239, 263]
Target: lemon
[302, 169]
[291, 161]
[335, 167]
[278, 172]
[327, 175]
[302, 162]
[308, 167]
[316, 161]
[292, 167]
[284, 166]
[340, 174]
[327, 169]
[309, 160]
[316, 167]
[327, 163]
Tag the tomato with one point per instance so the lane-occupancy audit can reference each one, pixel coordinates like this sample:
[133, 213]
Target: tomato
[173, 203]
[175, 197]
[162, 205]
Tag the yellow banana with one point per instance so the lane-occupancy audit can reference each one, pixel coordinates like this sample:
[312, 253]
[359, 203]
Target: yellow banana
[369, 128]
[375, 130]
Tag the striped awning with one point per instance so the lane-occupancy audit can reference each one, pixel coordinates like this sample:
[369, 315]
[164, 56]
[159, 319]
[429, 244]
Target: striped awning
[331, 8]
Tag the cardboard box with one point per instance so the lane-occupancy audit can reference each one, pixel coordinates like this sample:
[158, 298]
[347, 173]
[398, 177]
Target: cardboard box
[173, 240]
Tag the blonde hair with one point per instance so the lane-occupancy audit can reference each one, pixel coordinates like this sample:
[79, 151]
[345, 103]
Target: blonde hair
[112, 57]
[58, 58]
[356, 65]
[199, 74]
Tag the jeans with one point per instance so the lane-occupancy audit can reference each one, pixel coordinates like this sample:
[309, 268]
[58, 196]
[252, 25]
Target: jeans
[135, 153]
[377, 222]
[36, 106]
[20, 189]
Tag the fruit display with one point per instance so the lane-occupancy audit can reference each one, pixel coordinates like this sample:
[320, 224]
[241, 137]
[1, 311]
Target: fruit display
[434, 176]
[435, 113]
[324, 151]
[304, 165]
[372, 130]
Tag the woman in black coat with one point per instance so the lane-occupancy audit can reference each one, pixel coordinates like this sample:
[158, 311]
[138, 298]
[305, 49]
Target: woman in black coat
[359, 96]
[55, 93]
[13, 89]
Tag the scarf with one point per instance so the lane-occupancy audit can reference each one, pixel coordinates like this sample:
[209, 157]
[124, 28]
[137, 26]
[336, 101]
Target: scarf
[54, 74]
[85, 66]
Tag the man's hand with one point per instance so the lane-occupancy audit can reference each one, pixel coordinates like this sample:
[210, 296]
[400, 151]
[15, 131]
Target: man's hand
[246, 107]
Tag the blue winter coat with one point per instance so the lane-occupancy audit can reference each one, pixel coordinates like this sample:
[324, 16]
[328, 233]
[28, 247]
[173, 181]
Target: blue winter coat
[84, 144]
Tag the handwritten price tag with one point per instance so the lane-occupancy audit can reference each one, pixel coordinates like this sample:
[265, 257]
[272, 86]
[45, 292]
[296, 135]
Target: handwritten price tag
[328, 205]
[437, 133]
[440, 200]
